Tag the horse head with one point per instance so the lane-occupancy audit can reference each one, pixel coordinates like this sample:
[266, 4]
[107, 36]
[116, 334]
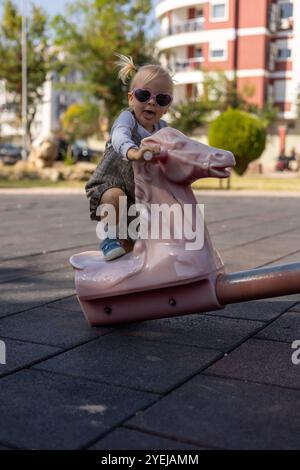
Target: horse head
[185, 160]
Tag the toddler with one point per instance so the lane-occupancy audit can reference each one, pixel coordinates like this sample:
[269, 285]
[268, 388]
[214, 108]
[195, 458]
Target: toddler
[149, 97]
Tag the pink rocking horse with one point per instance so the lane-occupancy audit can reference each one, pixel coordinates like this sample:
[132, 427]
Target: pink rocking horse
[168, 277]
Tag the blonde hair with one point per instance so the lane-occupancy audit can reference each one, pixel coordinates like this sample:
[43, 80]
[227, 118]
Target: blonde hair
[129, 70]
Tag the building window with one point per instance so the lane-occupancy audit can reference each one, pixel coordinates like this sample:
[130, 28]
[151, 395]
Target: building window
[280, 91]
[218, 10]
[286, 10]
[283, 50]
[198, 52]
[191, 91]
[284, 54]
[218, 52]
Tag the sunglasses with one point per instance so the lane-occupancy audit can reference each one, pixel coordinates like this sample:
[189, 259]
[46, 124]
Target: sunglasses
[142, 95]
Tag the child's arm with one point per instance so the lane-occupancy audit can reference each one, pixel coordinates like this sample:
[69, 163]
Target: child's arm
[121, 138]
[121, 134]
[138, 153]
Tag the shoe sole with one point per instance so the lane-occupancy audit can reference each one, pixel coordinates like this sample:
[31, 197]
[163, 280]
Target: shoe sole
[113, 254]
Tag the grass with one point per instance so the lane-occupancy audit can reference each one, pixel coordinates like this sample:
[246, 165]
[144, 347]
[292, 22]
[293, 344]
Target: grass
[31, 183]
[285, 182]
[282, 182]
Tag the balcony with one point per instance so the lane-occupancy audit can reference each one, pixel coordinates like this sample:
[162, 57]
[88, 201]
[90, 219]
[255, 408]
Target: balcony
[187, 65]
[163, 6]
[281, 17]
[189, 26]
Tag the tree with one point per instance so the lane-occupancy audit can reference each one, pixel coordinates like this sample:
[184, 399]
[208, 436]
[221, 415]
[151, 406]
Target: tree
[80, 121]
[11, 58]
[188, 116]
[89, 35]
[240, 132]
[219, 93]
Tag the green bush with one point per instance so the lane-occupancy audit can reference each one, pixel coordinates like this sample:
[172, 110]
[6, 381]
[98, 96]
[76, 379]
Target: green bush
[242, 133]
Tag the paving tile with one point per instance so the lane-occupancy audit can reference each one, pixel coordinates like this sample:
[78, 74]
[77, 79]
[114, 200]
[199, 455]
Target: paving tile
[12, 249]
[296, 308]
[266, 250]
[133, 362]
[261, 310]
[20, 295]
[228, 414]
[257, 221]
[70, 304]
[257, 233]
[21, 354]
[195, 330]
[129, 439]
[293, 257]
[50, 224]
[30, 265]
[50, 326]
[48, 411]
[285, 328]
[267, 362]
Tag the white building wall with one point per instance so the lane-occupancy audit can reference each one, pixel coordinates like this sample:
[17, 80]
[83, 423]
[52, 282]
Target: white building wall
[197, 37]
[179, 16]
[2, 93]
[284, 91]
[179, 93]
[168, 5]
[296, 57]
[47, 115]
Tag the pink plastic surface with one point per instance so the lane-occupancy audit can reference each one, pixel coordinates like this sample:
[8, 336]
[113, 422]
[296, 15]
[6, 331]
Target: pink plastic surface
[155, 265]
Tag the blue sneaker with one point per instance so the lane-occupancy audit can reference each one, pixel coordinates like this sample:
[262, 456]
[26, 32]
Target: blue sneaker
[112, 248]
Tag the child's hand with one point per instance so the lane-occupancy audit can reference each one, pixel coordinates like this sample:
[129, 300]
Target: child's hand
[138, 154]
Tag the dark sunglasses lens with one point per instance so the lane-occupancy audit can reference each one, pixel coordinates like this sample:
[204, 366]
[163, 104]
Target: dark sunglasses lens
[163, 100]
[142, 95]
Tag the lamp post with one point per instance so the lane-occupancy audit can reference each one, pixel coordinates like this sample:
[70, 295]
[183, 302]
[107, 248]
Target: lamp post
[24, 80]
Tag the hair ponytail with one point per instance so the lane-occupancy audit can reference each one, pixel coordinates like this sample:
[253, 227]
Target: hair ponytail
[127, 67]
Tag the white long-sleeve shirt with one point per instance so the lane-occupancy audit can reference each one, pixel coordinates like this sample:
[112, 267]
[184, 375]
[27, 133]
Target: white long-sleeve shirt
[120, 134]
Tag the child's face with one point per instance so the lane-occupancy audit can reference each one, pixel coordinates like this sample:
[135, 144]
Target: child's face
[149, 112]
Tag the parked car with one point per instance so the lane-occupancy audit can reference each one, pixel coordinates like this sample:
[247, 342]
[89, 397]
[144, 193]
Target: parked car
[10, 153]
[62, 149]
[81, 152]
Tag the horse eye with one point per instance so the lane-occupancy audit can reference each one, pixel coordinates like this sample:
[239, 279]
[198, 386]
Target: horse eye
[179, 146]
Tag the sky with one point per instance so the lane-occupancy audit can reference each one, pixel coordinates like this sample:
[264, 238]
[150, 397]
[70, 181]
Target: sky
[52, 6]
[57, 6]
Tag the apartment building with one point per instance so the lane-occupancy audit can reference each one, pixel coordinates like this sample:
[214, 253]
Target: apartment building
[55, 100]
[258, 41]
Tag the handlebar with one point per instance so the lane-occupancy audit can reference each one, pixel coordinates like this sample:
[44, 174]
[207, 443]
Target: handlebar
[148, 156]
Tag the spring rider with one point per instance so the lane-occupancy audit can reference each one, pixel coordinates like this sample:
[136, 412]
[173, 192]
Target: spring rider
[169, 277]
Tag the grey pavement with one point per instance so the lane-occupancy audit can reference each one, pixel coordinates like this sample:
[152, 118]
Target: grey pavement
[213, 380]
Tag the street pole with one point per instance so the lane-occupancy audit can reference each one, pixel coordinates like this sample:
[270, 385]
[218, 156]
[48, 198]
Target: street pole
[24, 80]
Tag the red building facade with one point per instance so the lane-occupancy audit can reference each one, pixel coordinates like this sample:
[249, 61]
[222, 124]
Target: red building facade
[256, 41]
